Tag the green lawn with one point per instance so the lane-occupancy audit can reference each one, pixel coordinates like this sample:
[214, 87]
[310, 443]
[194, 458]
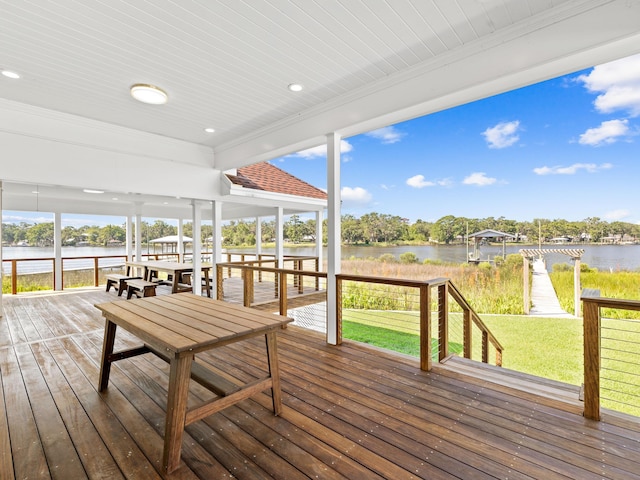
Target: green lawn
[545, 347]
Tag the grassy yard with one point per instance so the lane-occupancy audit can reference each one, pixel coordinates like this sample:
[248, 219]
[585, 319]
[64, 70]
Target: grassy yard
[545, 347]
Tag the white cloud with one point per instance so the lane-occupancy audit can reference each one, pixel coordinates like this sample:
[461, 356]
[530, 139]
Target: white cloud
[386, 134]
[503, 135]
[617, 214]
[572, 169]
[352, 197]
[321, 151]
[418, 181]
[608, 132]
[480, 179]
[618, 85]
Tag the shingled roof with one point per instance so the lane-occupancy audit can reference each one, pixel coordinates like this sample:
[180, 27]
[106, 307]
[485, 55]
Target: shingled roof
[264, 176]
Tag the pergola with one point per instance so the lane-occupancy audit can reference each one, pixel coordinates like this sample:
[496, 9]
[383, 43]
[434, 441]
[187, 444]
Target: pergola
[485, 235]
[531, 253]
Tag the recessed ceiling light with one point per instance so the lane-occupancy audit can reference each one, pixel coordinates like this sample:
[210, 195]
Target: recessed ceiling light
[295, 87]
[209, 130]
[165, 203]
[150, 94]
[10, 74]
[115, 199]
[89, 190]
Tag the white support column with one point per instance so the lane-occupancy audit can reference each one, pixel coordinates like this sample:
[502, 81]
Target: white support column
[138, 236]
[180, 241]
[333, 234]
[1, 264]
[129, 237]
[280, 237]
[197, 259]
[258, 237]
[57, 248]
[216, 243]
[319, 238]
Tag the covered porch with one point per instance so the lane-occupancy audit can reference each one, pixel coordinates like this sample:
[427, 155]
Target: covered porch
[350, 411]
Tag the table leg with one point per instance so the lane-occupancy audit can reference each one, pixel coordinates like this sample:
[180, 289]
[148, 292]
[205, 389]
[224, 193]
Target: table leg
[207, 282]
[274, 371]
[107, 350]
[179, 377]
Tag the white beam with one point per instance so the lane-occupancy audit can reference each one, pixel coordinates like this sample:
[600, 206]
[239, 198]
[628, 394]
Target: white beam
[216, 246]
[279, 237]
[57, 247]
[1, 264]
[319, 220]
[333, 234]
[258, 237]
[180, 241]
[196, 279]
[129, 237]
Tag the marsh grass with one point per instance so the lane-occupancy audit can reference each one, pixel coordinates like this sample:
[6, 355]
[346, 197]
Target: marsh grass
[488, 288]
[611, 284]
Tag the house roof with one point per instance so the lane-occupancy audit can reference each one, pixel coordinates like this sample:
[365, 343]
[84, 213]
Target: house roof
[264, 176]
[488, 233]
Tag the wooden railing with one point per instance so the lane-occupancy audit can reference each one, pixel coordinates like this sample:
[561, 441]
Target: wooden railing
[592, 303]
[93, 265]
[444, 289]
[249, 271]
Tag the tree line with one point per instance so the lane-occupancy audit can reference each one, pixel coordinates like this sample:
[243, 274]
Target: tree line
[370, 228]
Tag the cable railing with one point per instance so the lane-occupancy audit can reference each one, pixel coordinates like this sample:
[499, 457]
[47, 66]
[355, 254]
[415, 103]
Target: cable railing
[391, 313]
[611, 356]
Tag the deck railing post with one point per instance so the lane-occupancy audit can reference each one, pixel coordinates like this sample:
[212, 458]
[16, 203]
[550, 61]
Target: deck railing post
[591, 322]
[283, 293]
[466, 332]
[339, 284]
[485, 347]
[14, 277]
[425, 327]
[317, 269]
[219, 279]
[443, 321]
[96, 270]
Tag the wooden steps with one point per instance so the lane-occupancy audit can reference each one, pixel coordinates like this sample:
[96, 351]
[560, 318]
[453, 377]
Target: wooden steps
[555, 391]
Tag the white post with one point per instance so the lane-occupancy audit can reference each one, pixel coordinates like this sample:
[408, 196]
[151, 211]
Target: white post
[280, 237]
[576, 288]
[138, 236]
[333, 234]
[196, 279]
[319, 238]
[57, 247]
[216, 243]
[258, 238]
[128, 237]
[180, 241]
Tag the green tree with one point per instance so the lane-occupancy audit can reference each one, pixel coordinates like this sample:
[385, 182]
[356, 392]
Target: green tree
[40, 234]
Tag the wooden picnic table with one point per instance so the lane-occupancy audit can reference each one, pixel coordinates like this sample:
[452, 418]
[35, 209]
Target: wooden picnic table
[176, 327]
[176, 270]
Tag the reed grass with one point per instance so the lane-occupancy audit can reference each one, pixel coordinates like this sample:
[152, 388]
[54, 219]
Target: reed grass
[622, 284]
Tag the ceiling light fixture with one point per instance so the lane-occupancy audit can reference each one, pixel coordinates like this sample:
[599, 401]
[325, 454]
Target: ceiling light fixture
[150, 94]
[89, 190]
[10, 74]
[209, 130]
[295, 87]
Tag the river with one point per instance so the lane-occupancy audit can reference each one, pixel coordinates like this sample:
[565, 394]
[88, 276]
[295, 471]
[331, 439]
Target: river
[603, 257]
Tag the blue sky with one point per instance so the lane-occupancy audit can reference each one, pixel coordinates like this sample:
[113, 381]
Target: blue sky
[564, 148]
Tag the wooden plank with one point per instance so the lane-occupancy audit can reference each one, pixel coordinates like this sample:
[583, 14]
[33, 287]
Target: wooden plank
[6, 459]
[27, 453]
[54, 437]
[93, 453]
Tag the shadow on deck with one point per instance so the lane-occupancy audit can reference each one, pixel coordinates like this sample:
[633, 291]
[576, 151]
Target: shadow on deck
[351, 412]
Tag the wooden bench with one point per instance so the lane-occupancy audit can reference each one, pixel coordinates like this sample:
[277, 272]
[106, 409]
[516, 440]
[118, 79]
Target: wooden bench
[141, 288]
[120, 280]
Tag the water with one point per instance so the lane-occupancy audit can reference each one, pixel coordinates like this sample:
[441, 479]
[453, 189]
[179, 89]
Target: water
[603, 257]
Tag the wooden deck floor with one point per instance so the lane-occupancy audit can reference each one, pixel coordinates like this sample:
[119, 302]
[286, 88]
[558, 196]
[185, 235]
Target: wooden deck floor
[350, 412]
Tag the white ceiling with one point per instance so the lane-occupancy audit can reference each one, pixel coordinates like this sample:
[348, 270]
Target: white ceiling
[226, 64]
